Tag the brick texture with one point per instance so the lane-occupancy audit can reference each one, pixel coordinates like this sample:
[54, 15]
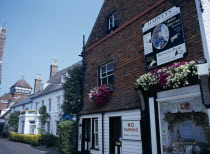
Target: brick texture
[125, 49]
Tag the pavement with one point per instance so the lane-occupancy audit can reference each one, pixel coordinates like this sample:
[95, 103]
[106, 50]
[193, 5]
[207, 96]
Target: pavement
[10, 147]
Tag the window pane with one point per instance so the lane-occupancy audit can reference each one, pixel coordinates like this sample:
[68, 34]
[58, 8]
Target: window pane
[103, 69]
[111, 79]
[110, 22]
[103, 75]
[96, 139]
[104, 81]
[96, 126]
[115, 16]
[110, 67]
[110, 72]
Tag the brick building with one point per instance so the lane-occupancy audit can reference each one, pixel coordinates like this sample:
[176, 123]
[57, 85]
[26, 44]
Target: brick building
[5, 100]
[20, 89]
[131, 38]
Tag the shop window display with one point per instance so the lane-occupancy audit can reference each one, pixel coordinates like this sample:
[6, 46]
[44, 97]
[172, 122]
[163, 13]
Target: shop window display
[182, 124]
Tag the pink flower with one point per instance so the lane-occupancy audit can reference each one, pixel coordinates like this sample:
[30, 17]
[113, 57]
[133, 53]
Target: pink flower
[100, 94]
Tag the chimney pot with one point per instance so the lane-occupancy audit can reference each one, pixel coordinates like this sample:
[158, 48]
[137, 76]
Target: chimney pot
[53, 68]
[37, 83]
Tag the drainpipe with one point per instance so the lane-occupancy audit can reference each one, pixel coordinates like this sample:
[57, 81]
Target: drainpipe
[82, 87]
[102, 132]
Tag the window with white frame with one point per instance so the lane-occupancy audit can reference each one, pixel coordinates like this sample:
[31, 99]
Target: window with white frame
[107, 74]
[95, 133]
[63, 78]
[112, 21]
[58, 103]
[42, 102]
[48, 127]
[23, 125]
[57, 132]
[50, 104]
[36, 106]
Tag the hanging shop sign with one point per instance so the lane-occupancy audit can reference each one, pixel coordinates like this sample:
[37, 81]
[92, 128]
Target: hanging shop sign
[131, 130]
[163, 38]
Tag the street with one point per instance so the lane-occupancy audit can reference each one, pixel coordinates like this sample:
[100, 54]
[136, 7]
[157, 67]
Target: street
[9, 147]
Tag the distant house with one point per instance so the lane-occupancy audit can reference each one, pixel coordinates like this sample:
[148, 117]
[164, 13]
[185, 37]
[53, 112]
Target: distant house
[20, 90]
[49, 94]
[5, 101]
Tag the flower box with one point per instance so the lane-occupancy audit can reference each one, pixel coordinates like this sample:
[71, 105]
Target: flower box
[177, 75]
[31, 112]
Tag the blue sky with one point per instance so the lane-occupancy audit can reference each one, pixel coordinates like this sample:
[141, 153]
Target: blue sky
[38, 31]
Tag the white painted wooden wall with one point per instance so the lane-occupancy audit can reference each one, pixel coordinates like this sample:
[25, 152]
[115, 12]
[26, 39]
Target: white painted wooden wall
[128, 146]
[20, 107]
[206, 21]
[54, 113]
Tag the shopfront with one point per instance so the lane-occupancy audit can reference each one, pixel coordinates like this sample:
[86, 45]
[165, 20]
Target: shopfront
[182, 119]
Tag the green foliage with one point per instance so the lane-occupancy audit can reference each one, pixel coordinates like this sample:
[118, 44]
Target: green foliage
[208, 134]
[13, 120]
[5, 133]
[38, 139]
[23, 112]
[67, 137]
[29, 139]
[199, 118]
[44, 115]
[49, 140]
[73, 91]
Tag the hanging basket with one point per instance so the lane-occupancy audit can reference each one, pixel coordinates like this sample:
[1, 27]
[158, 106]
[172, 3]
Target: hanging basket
[100, 94]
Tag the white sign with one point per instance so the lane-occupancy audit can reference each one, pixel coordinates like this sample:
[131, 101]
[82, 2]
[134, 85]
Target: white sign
[171, 54]
[162, 17]
[131, 130]
[163, 38]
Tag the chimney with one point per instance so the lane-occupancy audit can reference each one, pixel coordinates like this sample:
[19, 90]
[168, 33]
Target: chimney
[37, 83]
[53, 68]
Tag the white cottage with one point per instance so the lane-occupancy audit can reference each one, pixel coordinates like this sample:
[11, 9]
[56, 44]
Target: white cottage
[49, 94]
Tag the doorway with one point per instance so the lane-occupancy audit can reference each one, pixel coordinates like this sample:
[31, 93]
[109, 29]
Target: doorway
[115, 128]
[86, 123]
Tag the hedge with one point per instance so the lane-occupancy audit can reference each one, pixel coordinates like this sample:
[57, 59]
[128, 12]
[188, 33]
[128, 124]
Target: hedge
[29, 139]
[67, 137]
[208, 134]
[49, 140]
[37, 139]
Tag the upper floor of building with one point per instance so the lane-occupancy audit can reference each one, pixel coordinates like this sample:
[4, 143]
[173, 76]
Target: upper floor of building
[130, 38]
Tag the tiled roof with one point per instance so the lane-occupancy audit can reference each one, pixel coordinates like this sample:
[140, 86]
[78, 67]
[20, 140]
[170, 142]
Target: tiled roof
[24, 101]
[21, 83]
[6, 97]
[55, 81]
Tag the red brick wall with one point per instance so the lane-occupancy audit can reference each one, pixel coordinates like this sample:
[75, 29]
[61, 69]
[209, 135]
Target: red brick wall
[19, 97]
[125, 48]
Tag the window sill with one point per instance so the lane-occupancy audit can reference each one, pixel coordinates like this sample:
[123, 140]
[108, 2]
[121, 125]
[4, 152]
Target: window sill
[95, 149]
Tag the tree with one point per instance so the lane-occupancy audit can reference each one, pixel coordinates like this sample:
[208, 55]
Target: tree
[73, 91]
[13, 120]
[43, 117]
